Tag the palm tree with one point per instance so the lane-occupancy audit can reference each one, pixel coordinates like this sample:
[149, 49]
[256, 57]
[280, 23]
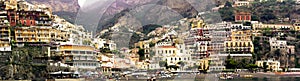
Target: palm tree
[182, 64]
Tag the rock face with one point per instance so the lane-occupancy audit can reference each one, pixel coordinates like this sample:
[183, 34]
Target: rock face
[161, 11]
[68, 9]
[59, 5]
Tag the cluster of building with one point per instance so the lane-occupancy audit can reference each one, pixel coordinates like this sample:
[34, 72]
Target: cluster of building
[32, 25]
[205, 45]
[210, 44]
[247, 3]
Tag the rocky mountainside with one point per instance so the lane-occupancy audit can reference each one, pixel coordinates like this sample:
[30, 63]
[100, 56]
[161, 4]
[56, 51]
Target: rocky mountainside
[59, 5]
[68, 9]
[145, 12]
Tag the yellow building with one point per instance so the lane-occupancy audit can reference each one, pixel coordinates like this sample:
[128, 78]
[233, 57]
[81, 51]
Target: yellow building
[5, 35]
[272, 64]
[106, 61]
[297, 26]
[196, 23]
[240, 42]
[203, 64]
[11, 4]
[39, 34]
[79, 56]
[259, 27]
[241, 3]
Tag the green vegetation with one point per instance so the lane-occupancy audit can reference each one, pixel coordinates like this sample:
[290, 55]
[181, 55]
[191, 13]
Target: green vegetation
[87, 42]
[105, 50]
[134, 39]
[261, 48]
[230, 63]
[151, 44]
[148, 28]
[267, 12]
[162, 63]
[227, 13]
[265, 67]
[240, 64]
[28, 62]
[141, 53]
[174, 67]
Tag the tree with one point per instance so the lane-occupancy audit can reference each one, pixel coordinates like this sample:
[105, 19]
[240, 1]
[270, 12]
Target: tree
[115, 52]
[148, 28]
[166, 65]
[230, 63]
[151, 44]
[162, 63]
[87, 42]
[181, 63]
[174, 67]
[251, 67]
[141, 53]
[277, 52]
[227, 13]
[105, 50]
[265, 66]
[228, 4]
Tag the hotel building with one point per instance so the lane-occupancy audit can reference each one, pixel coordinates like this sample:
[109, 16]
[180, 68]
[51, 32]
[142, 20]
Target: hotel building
[79, 56]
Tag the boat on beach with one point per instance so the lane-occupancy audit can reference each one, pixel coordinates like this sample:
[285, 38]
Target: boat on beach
[225, 76]
[287, 73]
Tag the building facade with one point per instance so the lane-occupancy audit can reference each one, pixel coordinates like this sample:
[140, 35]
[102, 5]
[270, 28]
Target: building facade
[273, 65]
[79, 56]
[242, 17]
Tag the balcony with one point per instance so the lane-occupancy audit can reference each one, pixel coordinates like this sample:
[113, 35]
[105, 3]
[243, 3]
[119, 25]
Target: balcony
[4, 42]
[43, 32]
[4, 34]
[4, 37]
[20, 45]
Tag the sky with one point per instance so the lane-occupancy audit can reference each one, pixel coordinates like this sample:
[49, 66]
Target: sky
[81, 2]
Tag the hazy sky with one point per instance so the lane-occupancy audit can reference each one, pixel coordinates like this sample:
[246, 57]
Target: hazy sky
[81, 2]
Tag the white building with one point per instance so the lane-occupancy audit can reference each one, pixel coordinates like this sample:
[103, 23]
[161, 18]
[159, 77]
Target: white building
[272, 64]
[172, 53]
[239, 26]
[241, 3]
[104, 43]
[277, 44]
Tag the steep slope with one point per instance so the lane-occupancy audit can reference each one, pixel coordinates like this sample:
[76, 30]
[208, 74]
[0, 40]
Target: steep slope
[59, 5]
[67, 9]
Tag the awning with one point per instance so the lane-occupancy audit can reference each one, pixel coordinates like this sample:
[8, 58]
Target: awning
[60, 72]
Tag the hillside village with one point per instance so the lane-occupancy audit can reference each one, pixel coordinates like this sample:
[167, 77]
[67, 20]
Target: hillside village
[35, 43]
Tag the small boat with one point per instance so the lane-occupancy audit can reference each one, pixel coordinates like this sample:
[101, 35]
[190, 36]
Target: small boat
[223, 78]
[248, 76]
[226, 77]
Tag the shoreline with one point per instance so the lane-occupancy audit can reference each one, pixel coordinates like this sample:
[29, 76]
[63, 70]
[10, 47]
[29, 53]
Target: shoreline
[202, 76]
